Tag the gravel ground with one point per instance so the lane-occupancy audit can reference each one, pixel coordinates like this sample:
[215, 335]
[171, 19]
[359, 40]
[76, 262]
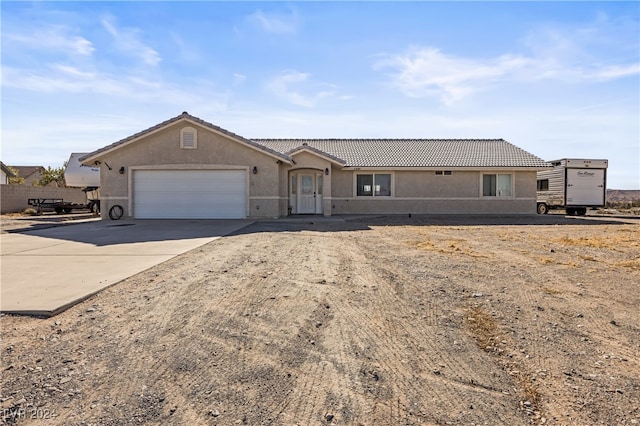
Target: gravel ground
[357, 321]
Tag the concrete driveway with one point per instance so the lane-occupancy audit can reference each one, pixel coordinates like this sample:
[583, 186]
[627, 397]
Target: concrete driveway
[44, 272]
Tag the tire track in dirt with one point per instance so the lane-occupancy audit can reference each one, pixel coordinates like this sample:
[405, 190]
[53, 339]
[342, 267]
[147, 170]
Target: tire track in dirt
[466, 375]
[389, 334]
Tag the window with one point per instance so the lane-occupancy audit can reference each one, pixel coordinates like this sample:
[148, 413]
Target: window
[188, 138]
[306, 184]
[543, 185]
[496, 185]
[373, 185]
[443, 172]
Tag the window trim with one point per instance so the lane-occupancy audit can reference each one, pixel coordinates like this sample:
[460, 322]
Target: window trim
[373, 173]
[496, 174]
[195, 138]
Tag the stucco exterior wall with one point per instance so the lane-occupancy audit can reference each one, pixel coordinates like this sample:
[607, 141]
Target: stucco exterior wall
[424, 192]
[342, 183]
[434, 206]
[214, 151]
[428, 184]
[34, 178]
[525, 185]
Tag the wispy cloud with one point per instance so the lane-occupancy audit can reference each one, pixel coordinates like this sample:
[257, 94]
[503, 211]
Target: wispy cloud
[52, 38]
[427, 71]
[185, 50]
[66, 79]
[275, 23]
[616, 71]
[238, 79]
[290, 85]
[571, 55]
[127, 40]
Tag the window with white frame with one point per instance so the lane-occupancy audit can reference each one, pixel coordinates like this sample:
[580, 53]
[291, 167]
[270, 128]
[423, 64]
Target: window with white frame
[373, 185]
[497, 185]
[188, 138]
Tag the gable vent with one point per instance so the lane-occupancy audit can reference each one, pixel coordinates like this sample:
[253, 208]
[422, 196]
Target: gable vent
[188, 138]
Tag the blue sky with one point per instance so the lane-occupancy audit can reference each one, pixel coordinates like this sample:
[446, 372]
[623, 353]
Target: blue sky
[557, 79]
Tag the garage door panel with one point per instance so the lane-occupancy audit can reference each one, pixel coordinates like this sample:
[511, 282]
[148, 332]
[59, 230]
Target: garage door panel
[190, 194]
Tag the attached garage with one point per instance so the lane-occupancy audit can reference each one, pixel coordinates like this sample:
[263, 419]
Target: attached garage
[190, 194]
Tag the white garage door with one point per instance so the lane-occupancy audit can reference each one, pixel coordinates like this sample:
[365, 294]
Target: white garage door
[189, 194]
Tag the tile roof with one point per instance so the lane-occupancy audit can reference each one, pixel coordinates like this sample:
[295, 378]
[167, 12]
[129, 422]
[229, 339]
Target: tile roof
[26, 171]
[373, 152]
[416, 152]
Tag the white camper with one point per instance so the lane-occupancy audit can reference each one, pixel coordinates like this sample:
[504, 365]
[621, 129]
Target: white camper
[78, 175]
[573, 184]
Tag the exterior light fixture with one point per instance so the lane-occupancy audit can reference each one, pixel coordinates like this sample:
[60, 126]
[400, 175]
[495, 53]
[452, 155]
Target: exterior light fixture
[326, 171]
[121, 170]
[255, 170]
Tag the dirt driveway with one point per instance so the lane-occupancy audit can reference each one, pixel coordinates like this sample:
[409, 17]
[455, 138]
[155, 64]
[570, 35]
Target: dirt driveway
[356, 322]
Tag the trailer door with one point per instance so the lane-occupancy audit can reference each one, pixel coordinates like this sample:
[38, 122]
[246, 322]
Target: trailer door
[585, 187]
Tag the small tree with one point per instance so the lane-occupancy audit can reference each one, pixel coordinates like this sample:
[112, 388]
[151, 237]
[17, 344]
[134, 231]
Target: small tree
[52, 175]
[16, 179]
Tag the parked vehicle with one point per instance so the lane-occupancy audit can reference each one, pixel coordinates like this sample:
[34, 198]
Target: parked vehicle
[78, 175]
[55, 204]
[573, 184]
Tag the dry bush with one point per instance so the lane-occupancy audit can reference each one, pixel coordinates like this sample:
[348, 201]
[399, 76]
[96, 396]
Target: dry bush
[449, 247]
[483, 326]
[587, 258]
[631, 263]
[547, 260]
[488, 333]
[617, 240]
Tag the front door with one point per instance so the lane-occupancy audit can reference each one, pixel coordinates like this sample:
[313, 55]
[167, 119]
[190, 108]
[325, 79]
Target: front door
[307, 194]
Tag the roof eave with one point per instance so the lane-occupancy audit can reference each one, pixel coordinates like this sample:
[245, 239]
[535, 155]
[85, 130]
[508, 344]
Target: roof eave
[442, 167]
[314, 151]
[94, 156]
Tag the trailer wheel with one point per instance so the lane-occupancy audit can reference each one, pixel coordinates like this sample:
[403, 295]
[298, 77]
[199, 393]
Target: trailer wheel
[95, 208]
[67, 211]
[542, 208]
[571, 211]
[116, 212]
[581, 211]
[58, 210]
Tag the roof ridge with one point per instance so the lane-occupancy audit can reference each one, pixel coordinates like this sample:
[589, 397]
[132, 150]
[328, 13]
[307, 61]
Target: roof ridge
[376, 139]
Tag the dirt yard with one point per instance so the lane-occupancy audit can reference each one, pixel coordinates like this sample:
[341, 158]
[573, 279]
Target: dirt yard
[376, 322]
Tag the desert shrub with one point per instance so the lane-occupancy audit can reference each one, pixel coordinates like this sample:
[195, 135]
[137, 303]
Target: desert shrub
[29, 211]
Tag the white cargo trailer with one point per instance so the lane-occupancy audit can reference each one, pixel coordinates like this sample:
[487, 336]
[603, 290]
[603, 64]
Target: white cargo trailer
[78, 175]
[573, 184]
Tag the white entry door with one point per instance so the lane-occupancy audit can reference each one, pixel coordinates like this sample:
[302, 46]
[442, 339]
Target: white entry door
[307, 194]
